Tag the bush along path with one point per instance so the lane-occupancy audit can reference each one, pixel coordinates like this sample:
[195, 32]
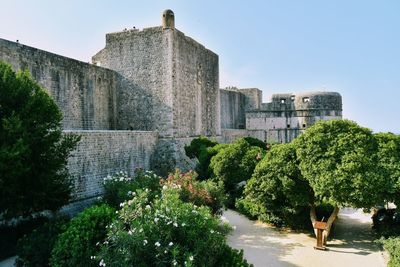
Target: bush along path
[351, 243]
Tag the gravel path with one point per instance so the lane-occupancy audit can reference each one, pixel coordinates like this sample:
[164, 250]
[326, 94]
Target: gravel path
[263, 245]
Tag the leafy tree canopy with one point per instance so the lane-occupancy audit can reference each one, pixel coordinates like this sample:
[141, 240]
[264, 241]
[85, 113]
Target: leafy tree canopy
[389, 163]
[339, 159]
[33, 151]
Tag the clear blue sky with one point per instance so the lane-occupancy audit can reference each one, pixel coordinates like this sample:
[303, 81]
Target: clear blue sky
[348, 46]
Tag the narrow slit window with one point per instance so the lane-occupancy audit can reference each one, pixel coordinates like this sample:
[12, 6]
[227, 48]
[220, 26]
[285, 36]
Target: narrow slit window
[283, 101]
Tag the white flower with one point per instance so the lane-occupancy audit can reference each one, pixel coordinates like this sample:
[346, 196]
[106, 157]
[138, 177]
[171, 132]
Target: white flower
[156, 220]
[92, 257]
[211, 231]
[191, 258]
[121, 179]
[174, 262]
[165, 251]
[121, 204]
[175, 224]
[183, 224]
[144, 242]
[157, 244]
[130, 232]
[164, 187]
[102, 263]
[148, 207]
[170, 244]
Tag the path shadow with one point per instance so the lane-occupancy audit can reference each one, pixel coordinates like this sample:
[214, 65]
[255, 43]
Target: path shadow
[263, 245]
[353, 234]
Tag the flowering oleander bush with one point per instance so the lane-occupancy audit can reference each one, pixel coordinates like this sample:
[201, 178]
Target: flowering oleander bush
[75, 246]
[166, 231]
[204, 193]
[119, 187]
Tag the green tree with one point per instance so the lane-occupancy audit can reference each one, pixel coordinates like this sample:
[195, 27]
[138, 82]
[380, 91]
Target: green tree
[233, 165]
[389, 164]
[334, 162]
[277, 192]
[203, 149]
[339, 160]
[33, 151]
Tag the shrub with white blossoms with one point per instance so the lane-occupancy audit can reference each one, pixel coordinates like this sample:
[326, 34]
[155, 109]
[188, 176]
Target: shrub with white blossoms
[165, 231]
[121, 186]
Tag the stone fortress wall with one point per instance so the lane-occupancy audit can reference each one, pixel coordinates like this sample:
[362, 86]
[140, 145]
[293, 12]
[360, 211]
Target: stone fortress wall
[147, 94]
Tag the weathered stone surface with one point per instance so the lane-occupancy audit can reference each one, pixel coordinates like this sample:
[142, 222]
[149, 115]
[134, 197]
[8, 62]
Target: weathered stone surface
[86, 94]
[233, 104]
[177, 77]
[102, 153]
[286, 116]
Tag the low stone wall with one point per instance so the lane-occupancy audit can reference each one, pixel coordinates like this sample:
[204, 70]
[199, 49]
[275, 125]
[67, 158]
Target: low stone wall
[102, 153]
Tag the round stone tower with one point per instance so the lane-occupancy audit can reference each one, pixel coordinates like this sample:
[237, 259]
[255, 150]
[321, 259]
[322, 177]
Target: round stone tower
[168, 19]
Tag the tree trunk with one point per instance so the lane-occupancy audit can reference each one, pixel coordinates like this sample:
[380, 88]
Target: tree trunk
[331, 219]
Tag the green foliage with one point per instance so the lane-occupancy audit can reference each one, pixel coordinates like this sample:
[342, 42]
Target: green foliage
[204, 193]
[33, 151]
[165, 232]
[203, 149]
[277, 193]
[255, 142]
[234, 164]
[119, 187]
[205, 156]
[75, 246]
[389, 164]
[197, 144]
[34, 250]
[338, 158]
[392, 246]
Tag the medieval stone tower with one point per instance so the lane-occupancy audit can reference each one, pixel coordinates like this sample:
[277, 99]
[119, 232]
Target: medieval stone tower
[176, 80]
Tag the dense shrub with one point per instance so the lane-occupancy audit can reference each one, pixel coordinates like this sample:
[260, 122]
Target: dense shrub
[392, 246]
[255, 142]
[203, 149]
[197, 144]
[166, 232]
[35, 248]
[33, 150]
[277, 193]
[119, 187]
[200, 193]
[75, 246]
[233, 165]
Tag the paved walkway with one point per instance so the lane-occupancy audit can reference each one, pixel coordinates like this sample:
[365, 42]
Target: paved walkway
[263, 245]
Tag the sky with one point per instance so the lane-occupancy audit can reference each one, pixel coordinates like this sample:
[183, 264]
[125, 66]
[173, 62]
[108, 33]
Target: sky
[281, 46]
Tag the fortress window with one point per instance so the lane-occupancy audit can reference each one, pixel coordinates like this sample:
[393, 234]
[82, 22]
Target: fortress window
[304, 125]
[292, 97]
[283, 101]
[306, 99]
[288, 125]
